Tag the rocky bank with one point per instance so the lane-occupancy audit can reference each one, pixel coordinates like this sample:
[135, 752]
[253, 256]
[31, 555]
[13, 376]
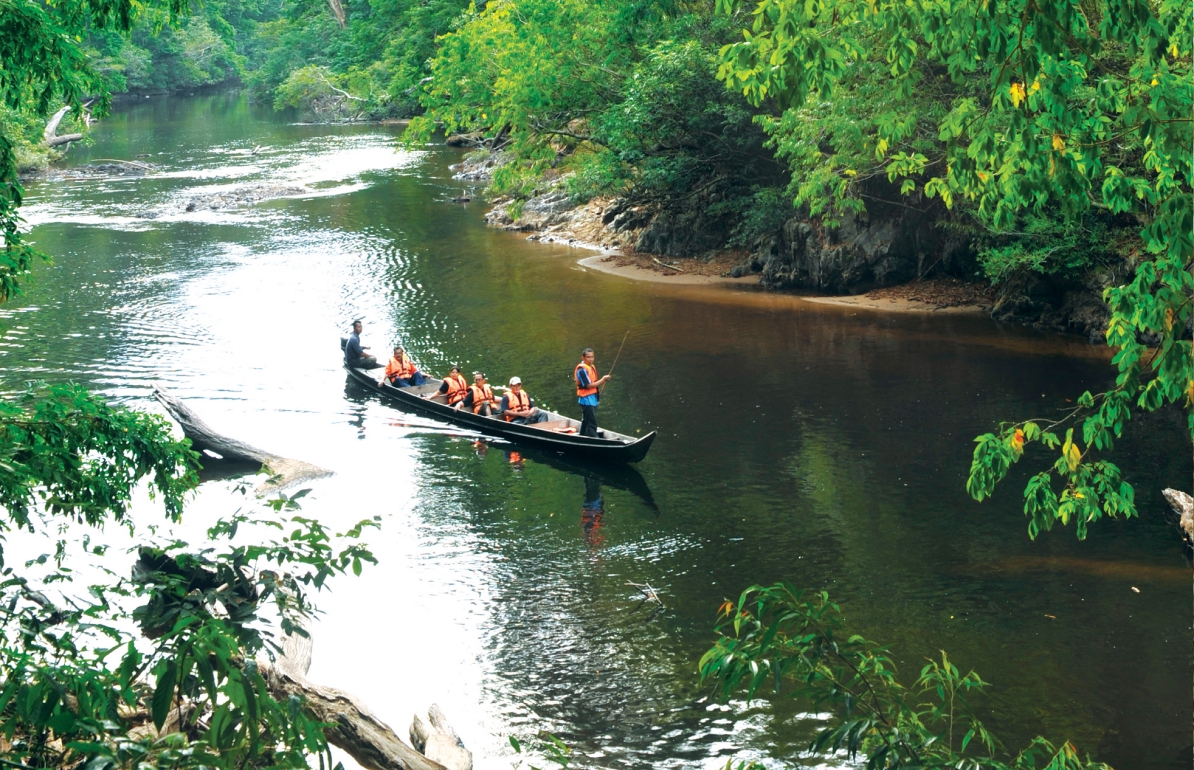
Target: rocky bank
[895, 243]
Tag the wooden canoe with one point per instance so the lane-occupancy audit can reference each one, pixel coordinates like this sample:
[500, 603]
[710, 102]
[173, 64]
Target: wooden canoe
[559, 433]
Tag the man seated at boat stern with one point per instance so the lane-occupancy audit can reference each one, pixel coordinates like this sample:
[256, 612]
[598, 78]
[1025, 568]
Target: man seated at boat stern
[354, 353]
[480, 398]
[517, 406]
[401, 372]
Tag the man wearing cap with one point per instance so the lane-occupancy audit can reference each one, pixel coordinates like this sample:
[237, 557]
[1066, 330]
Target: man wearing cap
[401, 371]
[354, 353]
[480, 396]
[517, 406]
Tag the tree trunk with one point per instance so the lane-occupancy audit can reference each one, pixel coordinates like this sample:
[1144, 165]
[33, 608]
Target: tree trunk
[338, 12]
[50, 136]
[283, 471]
[354, 728]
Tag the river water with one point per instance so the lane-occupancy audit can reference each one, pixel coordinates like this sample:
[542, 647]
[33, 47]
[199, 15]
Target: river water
[819, 445]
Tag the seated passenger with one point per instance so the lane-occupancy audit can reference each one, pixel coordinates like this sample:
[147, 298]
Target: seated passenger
[355, 356]
[455, 387]
[517, 406]
[401, 371]
[480, 397]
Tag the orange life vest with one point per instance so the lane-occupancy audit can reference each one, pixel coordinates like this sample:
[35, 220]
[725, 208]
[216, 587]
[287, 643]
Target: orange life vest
[592, 372]
[518, 401]
[400, 366]
[457, 388]
[482, 395]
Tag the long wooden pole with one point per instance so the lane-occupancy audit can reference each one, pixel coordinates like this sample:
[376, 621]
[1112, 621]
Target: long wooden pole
[619, 355]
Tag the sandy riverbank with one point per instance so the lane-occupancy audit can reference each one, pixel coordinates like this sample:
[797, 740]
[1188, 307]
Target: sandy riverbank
[896, 304]
[886, 300]
[608, 263]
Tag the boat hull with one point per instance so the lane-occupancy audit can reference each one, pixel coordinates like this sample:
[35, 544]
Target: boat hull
[615, 449]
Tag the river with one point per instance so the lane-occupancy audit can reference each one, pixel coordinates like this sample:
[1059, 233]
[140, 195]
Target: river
[819, 445]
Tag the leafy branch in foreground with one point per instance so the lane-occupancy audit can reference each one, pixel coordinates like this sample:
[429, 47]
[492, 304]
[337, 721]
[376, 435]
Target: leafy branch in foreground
[77, 455]
[80, 686]
[785, 638]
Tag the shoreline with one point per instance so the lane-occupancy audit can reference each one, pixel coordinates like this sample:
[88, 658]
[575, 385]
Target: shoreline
[605, 262]
[897, 305]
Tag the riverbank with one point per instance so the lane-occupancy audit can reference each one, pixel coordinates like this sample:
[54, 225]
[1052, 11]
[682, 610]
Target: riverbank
[616, 228]
[617, 264]
[944, 295]
[635, 240]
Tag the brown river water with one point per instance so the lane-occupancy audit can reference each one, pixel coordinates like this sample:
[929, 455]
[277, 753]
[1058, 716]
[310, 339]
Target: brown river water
[820, 445]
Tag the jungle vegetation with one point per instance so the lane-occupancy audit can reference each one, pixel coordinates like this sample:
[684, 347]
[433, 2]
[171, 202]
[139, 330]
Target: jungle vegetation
[1045, 128]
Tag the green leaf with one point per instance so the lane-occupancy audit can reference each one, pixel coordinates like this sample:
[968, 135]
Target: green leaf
[163, 694]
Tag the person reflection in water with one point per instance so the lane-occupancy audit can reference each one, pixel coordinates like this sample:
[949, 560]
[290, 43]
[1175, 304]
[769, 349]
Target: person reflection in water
[592, 511]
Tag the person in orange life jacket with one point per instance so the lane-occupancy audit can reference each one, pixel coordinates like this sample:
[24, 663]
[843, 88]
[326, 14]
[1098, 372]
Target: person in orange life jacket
[480, 398]
[454, 386]
[401, 371]
[517, 406]
[587, 395]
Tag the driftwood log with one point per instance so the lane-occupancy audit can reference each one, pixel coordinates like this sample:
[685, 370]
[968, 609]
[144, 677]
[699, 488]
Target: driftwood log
[355, 729]
[283, 471]
[50, 136]
[437, 741]
[1183, 506]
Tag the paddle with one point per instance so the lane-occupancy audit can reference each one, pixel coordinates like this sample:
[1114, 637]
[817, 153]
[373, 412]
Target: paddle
[619, 355]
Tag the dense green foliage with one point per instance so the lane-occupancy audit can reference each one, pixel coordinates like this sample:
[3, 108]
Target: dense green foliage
[1007, 107]
[613, 97]
[779, 637]
[376, 60]
[219, 44]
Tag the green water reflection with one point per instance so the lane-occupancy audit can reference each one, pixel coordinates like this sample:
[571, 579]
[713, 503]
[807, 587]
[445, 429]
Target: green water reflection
[823, 446]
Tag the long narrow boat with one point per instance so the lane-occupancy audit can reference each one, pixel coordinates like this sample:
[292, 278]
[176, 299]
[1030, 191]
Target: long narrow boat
[558, 433]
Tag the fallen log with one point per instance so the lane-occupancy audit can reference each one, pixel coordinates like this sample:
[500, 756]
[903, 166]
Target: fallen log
[1183, 506]
[353, 727]
[438, 741]
[50, 135]
[283, 470]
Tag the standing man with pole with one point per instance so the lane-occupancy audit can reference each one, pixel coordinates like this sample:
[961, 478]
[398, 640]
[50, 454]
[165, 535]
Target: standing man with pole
[587, 383]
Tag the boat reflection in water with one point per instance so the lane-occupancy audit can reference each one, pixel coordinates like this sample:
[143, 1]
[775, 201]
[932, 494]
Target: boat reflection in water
[595, 475]
[624, 477]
